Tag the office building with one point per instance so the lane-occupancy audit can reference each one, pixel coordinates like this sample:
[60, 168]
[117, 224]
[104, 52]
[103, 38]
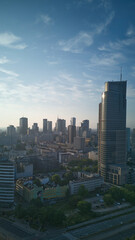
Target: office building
[90, 183]
[61, 125]
[11, 131]
[73, 121]
[79, 143]
[112, 133]
[71, 133]
[11, 134]
[7, 177]
[128, 139]
[23, 125]
[85, 128]
[49, 126]
[44, 125]
[35, 128]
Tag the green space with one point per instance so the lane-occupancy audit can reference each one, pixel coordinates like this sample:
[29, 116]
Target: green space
[120, 194]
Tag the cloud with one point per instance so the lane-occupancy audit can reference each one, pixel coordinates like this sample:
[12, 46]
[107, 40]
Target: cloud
[106, 4]
[4, 60]
[130, 31]
[9, 40]
[84, 39]
[76, 44]
[46, 19]
[107, 59]
[9, 72]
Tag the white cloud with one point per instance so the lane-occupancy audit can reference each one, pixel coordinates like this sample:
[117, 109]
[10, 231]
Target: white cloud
[76, 44]
[130, 31]
[9, 40]
[84, 39]
[8, 72]
[4, 60]
[46, 19]
[107, 59]
[106, 4]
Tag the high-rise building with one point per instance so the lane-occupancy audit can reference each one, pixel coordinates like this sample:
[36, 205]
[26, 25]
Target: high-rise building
[23, 125]
[112, 133]
[49, 126]
[85, 128]
[71, 133]
[11, 133]
[73, 121]
[61, 125]
[128, 139]
[35, 128]
[44, 125]
[7, 185]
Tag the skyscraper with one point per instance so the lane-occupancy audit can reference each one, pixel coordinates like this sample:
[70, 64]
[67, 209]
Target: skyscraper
[44, 125]
[23, 125]
[71, 133]
[73, 121]
[112, 133]
[61, 125]
[85, 128]
[49, 126]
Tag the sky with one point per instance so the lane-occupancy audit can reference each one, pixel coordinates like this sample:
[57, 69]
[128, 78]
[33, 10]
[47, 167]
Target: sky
[56, 55]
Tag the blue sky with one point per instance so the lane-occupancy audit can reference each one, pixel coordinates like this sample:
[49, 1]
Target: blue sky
[55, 56]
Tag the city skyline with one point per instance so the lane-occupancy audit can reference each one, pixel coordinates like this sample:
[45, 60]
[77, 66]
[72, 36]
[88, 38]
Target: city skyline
[55, 58]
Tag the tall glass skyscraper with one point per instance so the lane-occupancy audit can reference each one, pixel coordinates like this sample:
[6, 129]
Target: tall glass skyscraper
[112, 133]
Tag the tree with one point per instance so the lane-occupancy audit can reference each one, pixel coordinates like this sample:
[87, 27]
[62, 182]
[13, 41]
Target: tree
[84, 207]
[108, 199]
[37, 182]
[68, 176]
[82, 191]
[56, 179]
[74, 200]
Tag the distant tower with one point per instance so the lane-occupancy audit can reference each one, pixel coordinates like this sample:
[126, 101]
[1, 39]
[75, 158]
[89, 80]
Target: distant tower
[85, 128]
[23, 125]
[112, 133]
[49, 126]
[44, 125]
[71, 133]
[35, 128]
[61, 125]
[73, 121]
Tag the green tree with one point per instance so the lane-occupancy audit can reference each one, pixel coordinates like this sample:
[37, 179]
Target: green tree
[68, 176]
[84, 207]
[37, 182]
[56, 179]
[82, 191]
[108, 199]
[74, 200]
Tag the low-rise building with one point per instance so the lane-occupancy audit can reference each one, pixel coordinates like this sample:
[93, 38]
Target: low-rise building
[30, 191]
[90, 183]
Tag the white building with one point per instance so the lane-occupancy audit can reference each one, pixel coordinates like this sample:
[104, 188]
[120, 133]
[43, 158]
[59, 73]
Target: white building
[90, 184]
[93, 155]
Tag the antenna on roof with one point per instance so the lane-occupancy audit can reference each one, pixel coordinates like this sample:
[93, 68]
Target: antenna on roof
[121, 74]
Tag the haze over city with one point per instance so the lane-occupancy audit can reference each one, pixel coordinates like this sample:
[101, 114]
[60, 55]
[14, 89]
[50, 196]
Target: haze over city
[56, 55]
